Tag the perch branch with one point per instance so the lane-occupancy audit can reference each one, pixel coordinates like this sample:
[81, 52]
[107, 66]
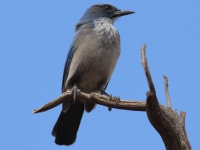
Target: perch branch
[94, 98]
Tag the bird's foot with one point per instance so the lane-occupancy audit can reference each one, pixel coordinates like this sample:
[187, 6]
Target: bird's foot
[110, 96]
[115, 99]
[109, 108]
[75, 92]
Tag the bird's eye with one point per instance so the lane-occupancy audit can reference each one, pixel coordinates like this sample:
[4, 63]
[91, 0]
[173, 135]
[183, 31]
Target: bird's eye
[107, 7]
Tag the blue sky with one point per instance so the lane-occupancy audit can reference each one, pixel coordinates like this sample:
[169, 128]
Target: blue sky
[34, 40]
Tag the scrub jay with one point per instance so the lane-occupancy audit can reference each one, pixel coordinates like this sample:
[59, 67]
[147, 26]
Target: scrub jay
[90, 62]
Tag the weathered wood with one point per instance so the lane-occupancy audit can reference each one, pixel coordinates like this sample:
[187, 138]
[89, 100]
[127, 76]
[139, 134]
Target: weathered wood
[95, 98]
[166, 121]
[167, 91]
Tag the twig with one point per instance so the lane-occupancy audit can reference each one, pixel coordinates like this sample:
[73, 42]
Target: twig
[146, 69]
[167, 91]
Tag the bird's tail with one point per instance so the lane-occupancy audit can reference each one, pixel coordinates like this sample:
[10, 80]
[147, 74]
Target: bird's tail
[67, 125]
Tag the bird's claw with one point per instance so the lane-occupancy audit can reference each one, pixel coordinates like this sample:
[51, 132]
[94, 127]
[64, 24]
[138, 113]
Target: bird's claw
[110, 96]
[115, 99]
[75, 92]
[109, 108]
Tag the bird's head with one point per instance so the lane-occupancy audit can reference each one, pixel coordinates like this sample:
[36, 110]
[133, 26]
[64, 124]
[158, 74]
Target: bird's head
[103, 11]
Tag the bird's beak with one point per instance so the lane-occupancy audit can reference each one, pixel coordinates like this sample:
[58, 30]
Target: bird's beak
[120, 13]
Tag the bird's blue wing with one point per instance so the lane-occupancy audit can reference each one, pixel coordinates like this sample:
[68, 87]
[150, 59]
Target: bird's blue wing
[69, 58]
[71, 52]
[67, 65]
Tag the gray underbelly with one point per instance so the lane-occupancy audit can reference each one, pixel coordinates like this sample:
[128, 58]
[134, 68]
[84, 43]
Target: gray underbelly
[96, 70]
[95, 74]
[94, 61]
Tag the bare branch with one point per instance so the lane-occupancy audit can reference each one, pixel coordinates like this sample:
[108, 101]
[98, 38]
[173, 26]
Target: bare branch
[95, 98]
[158, 121]
[165, 120]
[167, 91]
[146, 69]
[182, 118]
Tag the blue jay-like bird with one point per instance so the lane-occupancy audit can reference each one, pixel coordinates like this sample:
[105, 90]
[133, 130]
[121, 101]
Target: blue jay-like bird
[90, 63]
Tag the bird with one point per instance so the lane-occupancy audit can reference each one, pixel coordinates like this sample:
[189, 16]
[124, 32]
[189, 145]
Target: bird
[90, 62]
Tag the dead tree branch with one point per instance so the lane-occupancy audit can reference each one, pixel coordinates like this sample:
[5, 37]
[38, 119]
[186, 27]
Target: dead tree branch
[166, 121]
[167, 91]
[95, 98]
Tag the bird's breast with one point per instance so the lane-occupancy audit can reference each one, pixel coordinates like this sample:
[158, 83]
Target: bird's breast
[105, 31]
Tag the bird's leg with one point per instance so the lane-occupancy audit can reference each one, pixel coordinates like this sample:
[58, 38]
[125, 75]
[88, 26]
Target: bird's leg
[110, 96]
[104, 93]
[75, 92]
